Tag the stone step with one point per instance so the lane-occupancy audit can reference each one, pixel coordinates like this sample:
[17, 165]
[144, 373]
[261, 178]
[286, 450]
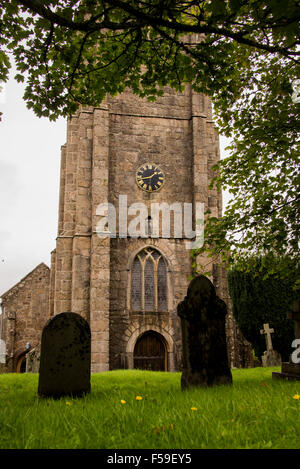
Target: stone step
[289, 376]
[291, 368]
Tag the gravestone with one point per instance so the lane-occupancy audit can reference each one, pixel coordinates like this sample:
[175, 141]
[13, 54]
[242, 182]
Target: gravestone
[270, 356]
[202, 314]
[2, 352]
[65, 360]
[33, 361]
[291, 370]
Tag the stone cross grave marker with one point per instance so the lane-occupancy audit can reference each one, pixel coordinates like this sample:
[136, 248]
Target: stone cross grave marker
[270, 356]
[202, 314]
[65, 359]
[268, 331]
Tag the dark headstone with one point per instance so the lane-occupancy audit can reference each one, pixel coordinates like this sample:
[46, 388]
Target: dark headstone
[291, 370]
[65, 362]
[202, 314]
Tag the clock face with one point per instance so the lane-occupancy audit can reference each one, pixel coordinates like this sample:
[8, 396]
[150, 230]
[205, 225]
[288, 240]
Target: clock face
[150, 177]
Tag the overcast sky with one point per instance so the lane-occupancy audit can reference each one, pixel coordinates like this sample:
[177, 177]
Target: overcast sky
[29, 186]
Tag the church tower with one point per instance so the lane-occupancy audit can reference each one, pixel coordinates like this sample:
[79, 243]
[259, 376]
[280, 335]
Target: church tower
[133, 155]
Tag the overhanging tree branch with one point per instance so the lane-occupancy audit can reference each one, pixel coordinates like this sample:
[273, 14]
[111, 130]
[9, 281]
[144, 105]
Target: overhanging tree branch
[140, 18]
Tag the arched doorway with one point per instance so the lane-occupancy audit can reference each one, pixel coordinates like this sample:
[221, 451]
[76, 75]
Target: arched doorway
[150, 352]
[21, 364]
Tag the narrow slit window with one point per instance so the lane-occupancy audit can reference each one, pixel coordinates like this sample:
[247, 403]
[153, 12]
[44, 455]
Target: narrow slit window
[136, 285]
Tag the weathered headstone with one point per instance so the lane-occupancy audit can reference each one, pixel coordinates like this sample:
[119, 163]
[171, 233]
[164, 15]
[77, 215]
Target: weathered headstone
[65, 361]
[202, 313]
[270, 356]
[2, 352]
[33, 361]
[291, 370]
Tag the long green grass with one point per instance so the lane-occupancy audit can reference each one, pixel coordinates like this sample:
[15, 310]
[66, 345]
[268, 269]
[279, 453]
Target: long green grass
[255, 412]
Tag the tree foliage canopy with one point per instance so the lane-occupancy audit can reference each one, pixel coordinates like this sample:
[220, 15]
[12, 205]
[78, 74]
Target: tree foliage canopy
[243, 54]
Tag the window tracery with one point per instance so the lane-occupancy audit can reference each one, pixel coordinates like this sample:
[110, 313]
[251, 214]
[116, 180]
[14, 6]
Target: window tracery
[149, 286]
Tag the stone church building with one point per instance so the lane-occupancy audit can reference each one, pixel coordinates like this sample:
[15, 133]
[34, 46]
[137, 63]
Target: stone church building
[127, 287]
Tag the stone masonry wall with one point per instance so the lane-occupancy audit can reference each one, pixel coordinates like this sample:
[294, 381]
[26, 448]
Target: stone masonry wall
[105, 146]
[175, 132]
[91, 276]
[124, 324]
[26, 310]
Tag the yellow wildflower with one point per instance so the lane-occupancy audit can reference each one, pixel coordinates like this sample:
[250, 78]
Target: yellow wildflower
[296, 396]
[68, 403]
[138, 398]
[194, 408]
[123, 402]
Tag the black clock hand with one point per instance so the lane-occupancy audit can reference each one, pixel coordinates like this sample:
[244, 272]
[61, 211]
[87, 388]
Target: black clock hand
[148, 177]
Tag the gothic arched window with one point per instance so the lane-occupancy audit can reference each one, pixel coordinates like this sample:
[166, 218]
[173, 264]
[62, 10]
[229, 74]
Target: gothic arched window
[149, 289]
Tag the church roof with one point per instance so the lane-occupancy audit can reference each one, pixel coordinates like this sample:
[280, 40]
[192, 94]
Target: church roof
[17, 285]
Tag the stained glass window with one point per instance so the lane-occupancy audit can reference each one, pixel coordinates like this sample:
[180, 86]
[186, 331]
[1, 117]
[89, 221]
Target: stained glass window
[149, 285]
[149, 290]
[162, 285]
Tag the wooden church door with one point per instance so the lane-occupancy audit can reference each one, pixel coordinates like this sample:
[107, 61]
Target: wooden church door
[150, 352]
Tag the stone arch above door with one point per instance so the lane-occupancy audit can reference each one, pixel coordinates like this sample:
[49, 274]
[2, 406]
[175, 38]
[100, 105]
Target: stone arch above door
[168, 342]
[21, 363]
[150, 352]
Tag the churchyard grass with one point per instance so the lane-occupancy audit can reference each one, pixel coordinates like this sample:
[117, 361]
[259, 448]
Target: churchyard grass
[255, 412]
